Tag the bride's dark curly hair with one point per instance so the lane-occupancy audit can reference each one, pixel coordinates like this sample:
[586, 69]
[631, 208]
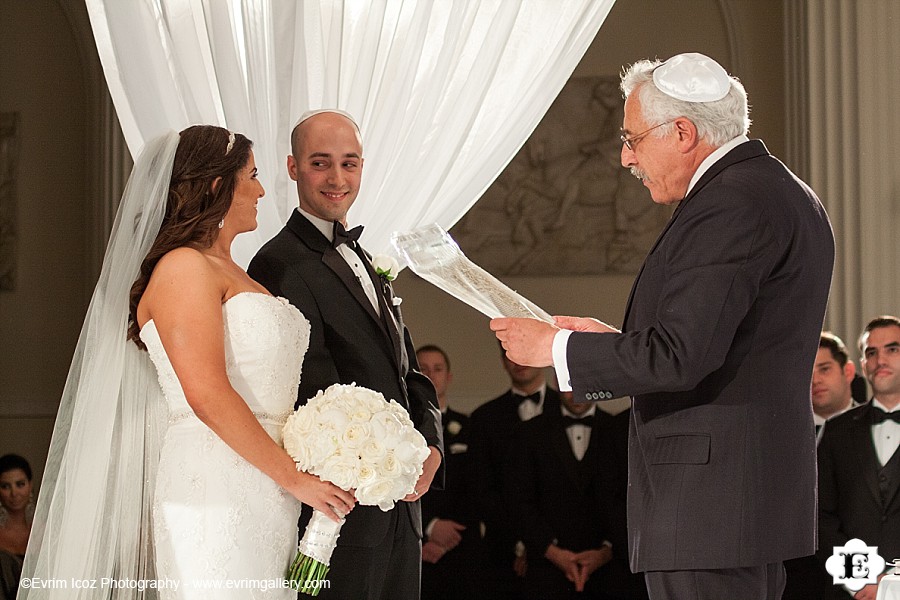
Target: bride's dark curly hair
[193, 208]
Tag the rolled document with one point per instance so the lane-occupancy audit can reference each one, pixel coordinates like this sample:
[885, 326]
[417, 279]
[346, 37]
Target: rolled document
[435, 257]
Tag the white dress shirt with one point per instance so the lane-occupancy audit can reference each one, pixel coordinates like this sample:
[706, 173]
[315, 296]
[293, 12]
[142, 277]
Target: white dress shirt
[528, 409]
[561, 339]
[886, 435]
[579, 435]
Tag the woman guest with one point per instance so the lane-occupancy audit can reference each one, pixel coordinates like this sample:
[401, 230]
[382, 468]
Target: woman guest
[15, 520]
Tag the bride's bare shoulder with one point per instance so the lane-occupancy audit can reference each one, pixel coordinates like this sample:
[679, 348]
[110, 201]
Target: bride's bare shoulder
[187, 271]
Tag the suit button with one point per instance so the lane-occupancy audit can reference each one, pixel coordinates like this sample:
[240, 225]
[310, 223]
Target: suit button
[587, 396]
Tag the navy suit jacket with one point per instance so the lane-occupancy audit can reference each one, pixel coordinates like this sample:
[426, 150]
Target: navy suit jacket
[349, 343]
[720, 334]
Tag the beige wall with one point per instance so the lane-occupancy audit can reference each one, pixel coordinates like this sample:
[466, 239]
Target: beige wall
[40, 321]
[41, 318]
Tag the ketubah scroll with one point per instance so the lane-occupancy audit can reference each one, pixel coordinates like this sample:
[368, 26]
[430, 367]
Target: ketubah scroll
[434, 256]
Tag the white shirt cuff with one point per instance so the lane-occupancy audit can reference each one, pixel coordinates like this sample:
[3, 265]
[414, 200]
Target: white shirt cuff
[560, 363]
[430, 527]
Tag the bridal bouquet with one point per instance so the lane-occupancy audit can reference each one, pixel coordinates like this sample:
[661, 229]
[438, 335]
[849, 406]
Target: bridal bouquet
[354, 438]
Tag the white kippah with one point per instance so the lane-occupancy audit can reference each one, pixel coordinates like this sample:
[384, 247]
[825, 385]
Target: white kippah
[311, 113]
[692, 77]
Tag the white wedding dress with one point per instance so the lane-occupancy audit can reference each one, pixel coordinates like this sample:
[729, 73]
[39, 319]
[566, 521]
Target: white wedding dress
[222, 528]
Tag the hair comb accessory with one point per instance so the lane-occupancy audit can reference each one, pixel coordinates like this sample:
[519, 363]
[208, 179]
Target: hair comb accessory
[230, 143]
[692, 77]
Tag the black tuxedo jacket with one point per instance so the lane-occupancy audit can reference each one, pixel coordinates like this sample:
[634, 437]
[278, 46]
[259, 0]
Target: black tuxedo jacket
[456, 500]
[493, 432]
[720, 334]
[576, 504]
[349, 343]
[851, 503]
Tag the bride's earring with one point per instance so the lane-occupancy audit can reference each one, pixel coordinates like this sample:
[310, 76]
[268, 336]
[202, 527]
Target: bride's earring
[222, 223]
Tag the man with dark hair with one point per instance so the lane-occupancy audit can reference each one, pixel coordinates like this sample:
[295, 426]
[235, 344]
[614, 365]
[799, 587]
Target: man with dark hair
[833, 374]
[859, 465]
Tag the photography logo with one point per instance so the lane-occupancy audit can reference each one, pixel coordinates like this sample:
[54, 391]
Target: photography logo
[855, 565]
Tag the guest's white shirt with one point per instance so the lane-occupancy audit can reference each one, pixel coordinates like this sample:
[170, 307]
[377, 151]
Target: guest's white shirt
[561, 339]
[528, 409]
[886, 435]
[348, 254]
[579, 435]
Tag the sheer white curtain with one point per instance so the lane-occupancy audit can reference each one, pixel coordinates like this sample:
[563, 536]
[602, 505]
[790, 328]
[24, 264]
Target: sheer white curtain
[445, 91]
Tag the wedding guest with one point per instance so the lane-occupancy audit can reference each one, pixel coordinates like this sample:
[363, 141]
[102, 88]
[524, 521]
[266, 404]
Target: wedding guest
[357, 334]
[569, 483]
[719, 337]
[833, 372]
[859, 462]
[16, 512]
[452, 543]
[833, 375]
[493, 424]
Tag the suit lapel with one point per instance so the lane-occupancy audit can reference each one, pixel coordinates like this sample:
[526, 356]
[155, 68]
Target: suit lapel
[332, 259]
[747, 150]
[868, 460]
[559, 440]
[388, 319]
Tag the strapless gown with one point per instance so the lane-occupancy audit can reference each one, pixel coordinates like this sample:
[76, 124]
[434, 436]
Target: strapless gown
[222, 528]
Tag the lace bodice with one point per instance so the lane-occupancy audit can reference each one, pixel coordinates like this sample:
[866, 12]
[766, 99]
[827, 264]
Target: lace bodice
[265, 340]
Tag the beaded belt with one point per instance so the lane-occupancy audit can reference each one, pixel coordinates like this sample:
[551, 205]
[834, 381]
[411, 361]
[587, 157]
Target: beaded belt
[277, 418]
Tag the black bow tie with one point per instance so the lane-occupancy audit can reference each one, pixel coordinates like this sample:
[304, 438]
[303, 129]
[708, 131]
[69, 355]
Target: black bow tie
[535, 397]
[879, 416]
[342, 236]
[569, 421]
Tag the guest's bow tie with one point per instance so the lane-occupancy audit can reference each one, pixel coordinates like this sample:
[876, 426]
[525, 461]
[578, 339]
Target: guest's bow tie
[569, 421]
[535, 397]
[342, 236]
[879, 416]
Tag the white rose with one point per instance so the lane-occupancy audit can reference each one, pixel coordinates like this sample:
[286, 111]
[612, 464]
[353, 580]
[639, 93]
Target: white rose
[365, 474]
[355, 435]
[334, 419]
[340, 470]
[372, 451]
[377, 493]
[386, 265]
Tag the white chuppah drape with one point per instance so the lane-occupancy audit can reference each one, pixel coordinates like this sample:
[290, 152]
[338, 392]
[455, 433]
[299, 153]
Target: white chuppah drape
[445, 91]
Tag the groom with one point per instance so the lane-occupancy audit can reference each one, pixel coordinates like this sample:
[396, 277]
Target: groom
[357, 335]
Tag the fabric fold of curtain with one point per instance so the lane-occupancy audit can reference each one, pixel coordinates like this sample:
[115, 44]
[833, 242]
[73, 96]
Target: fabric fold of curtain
[445, 91]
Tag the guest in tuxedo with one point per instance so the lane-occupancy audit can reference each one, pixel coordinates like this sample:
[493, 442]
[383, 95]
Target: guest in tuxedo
[451, 549]
[357, 335]
[859, 465]
[833, 373]
[720, 333]
[569, 484]
[492, 426]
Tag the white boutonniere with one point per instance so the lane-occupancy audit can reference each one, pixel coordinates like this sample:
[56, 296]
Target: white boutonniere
[386, 266]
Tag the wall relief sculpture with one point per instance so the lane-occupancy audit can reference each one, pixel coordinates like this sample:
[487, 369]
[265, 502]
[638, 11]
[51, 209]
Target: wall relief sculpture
[9, 155]
[564, 205]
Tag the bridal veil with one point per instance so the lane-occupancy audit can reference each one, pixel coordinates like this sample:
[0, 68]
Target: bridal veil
[92, 524]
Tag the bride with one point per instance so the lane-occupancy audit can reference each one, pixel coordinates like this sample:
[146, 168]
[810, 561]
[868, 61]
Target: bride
[207, 458]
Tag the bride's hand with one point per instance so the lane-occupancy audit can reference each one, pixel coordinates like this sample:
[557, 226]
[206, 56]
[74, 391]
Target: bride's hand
[323, 496]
